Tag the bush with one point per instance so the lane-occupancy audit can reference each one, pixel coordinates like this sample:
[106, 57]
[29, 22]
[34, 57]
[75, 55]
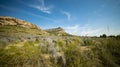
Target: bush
[108, 52]
[78, 57]
[103, 36]
[22, 55]
[97, 52]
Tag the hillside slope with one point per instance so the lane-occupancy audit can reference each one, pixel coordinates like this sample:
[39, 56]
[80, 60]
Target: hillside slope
[13, 30]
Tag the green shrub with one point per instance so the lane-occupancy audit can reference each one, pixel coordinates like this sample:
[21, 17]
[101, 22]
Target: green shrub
[97, 52]
[108, 52]
[60, 43]
[22, 56]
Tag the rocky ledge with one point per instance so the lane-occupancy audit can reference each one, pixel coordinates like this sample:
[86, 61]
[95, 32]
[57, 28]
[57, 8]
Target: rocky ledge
[5, 20]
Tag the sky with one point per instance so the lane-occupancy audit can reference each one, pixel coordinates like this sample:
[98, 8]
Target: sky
[77, 17]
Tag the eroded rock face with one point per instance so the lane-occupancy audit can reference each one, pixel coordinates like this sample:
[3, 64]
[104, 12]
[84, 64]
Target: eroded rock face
[57, 31]
[17, 22]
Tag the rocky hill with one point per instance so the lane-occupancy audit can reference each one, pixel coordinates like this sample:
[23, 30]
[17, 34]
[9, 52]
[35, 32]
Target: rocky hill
[13, 29]
[4, 20]
[57, 32]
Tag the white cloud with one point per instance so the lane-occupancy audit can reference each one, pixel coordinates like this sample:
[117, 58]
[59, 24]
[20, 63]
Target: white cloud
[72, 29]
[40, 5]
[42, 8]
[25, 12]
[82, 30]
[67, 14]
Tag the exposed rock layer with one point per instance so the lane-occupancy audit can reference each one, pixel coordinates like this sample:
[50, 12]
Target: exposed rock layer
[4, 20]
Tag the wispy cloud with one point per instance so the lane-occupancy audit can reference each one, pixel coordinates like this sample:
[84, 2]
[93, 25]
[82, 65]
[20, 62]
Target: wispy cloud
[67, 14]
[72, 29]
[82, 30]
[40, 5]
[25, 12]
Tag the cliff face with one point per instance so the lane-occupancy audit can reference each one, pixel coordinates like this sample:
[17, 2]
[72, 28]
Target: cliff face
[4, 20]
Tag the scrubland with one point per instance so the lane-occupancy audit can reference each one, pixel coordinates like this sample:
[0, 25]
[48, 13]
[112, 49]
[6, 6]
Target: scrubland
[62, 51]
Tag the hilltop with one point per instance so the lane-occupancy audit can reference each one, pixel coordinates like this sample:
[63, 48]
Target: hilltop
[57, 31]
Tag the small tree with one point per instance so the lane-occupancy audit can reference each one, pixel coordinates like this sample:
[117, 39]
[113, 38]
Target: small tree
[103, 36]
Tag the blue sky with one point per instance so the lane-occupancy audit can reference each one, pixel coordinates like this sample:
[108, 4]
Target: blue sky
[79, 17]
